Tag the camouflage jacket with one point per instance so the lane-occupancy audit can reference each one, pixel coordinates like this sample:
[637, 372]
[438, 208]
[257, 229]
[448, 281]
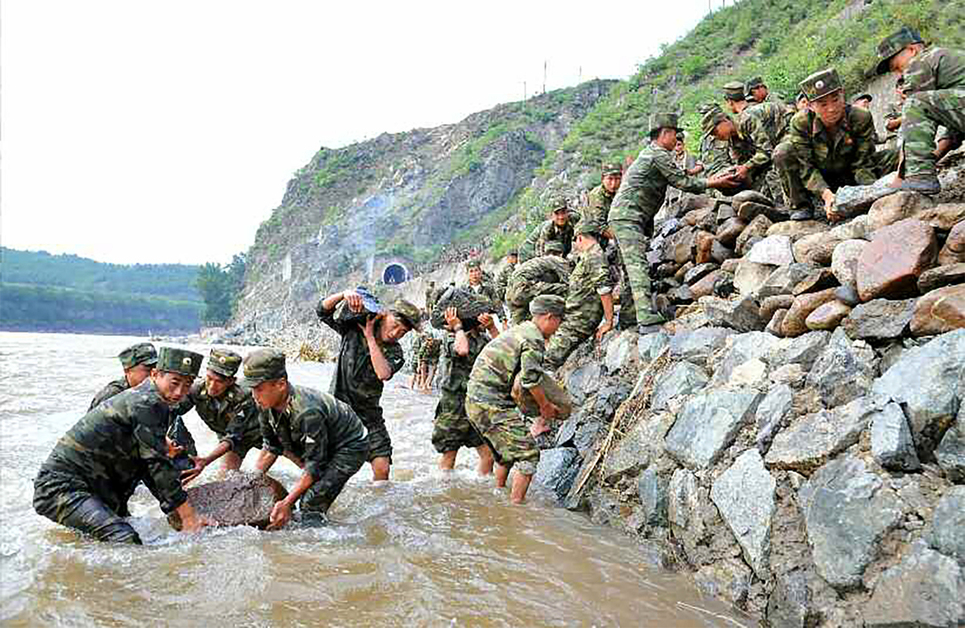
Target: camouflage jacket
[355, 381]
[233, 416]
[431, 349]
[935, 68]
[177, 430]
[549, 231]
[113, 388]
[118, 444]
[715, 155]
[314, 427]
[763, 126]
[457, 378]
[589, 280]
[527, 250]
[486, 289]
[547, 274]
[645, 184]
[519, 349]
[418, 339]
[822, 156]
[597, 210]
[502, 279]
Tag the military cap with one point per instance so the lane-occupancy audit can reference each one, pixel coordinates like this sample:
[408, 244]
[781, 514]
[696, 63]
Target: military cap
[547, 304]
[262, 365]
[409, 313]
[664, 121]
[893, 44]
[734, 90]
[554, 247]
[583, 228]
[559, 203]
[178, 360]
[473, 263]
[711, 119]
[141, 353]
[821, 84]
[750, 98]
[867, 97]
[801, 96]
[754, 83]
[224, 362]
[612, 167]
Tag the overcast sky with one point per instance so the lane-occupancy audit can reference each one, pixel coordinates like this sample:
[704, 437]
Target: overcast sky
[157, 132]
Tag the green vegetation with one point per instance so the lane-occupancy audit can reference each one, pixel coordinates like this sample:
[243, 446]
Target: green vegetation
[220, 287]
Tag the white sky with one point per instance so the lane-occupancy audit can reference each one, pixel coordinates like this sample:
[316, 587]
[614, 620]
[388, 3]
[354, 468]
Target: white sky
[152, 132]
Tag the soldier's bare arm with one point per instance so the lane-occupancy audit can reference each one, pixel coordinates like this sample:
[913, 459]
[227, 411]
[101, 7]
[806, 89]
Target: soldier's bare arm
[381, 366]
[265, 460]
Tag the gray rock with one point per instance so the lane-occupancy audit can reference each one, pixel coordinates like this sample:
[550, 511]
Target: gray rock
[951, 451]
[891, 443]
[585, 438]
[681, 494]
[814, 438]
[744, 495]
[728, 579]
[707, 424]
[924, 589]
[847, 295]
[803, 350]
[750, 276]
[619, 351]
[683, 378]
[790, 603]
[773, 414]
[557, 470]
[847, 512]
[742, 314]
[584, 381]
[652, 489]
[241, 499]
[948, 526]
[650, 346]
[567, 431]
[698, 272]
[791, 374]
[842, 371]
[844, 260]
[636, 450]
[850, 200]
[774, 250]
[698, 345]
[927, 382]
[880, 319]
[784, 279]
[739, 349]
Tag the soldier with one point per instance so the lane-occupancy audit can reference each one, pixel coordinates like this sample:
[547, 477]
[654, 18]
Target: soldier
[558, 228]
[227, 409]
[547, 274]
[430, 293]
[597, 211]
[935, 90]
[415, 380]
[757, 91]
[637, 201]
[478, 284]
[863, 101]
[893, 115]
[451, 428]
[428, 360]
[93, 470]
[829, 145]
[320, 434]
[502, 282]
[589, 300]
[489, 401]
[368, 356]
[801, 103]
[760, 128]
[137, 361]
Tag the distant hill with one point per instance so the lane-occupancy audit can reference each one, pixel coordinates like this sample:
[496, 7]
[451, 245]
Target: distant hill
[44, 292]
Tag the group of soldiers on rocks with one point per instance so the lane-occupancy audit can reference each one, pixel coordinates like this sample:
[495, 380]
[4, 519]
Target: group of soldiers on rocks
[557, 289]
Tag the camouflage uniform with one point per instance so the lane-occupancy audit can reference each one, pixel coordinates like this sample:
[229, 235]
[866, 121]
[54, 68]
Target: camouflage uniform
[90, 475]
[485, 289]
[108, 391]
[893, 113]
[135, 355]
[502, 282]
[763, 126]
[715, 155]
[489, 402]
[429, 351]
[430, 293]
[548, 274]
[417, 343]
[355, 381]
[810, 160]
[637, 201]
[325, 434]
[584, 310]
[527, 250]
[177, 430]
[233, 417]
[452, 429]
[597, 210]
[548, 231]
[935, 90]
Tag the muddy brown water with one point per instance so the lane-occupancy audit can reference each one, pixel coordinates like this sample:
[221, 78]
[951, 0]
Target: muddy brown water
[425, 549]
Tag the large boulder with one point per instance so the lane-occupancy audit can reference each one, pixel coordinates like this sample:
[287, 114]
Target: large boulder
[742, 314]
[803, 350]
[844, 261]
[698, 345]
[925, 589]
[683, 378]
[241, 499]
[619, 351]
[557, 469]
[784, 279]
[899, 206]
[707, 424]
[854, 199]
[847, 511]
[941, 276]
[744, 495]
[948, 526]
[638, 447]
[843, 371]
[939, 311]
[649, 346]
[750, 276]
[774, 250]
[951, 451]
[891, 443]
[652, 490]
[954, 250]
[890, 265]
[880, 319]
[584, 381]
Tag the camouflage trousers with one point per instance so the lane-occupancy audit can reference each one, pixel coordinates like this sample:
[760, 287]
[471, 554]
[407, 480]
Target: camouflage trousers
[506, 432]
[68, 500]
[520, 294]
[635, 286]
[789, 166]
[451, 428]
[921, 116]
[577, 326]
[320, 495]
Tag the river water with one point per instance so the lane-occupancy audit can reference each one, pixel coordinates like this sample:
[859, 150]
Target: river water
[425, 549]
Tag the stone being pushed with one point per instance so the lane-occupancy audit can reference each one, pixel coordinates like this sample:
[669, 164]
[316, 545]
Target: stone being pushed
[241, 499]
[555, 393]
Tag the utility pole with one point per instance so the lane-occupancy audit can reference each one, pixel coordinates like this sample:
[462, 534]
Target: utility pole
[544, 76]
[524, 90]
[580, 79]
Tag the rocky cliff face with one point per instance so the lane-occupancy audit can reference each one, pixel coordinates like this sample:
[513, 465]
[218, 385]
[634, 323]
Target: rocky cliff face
[404, 195]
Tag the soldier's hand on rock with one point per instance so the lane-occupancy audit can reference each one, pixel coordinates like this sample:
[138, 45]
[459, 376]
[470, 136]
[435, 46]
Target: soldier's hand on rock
[725, 180]
[174, 450]
[189, 474]
[603, 330]
[828, 197]
[354, 300]
[281, 514]
[452, 319]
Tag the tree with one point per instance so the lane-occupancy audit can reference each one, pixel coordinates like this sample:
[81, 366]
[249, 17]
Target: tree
[213, 283]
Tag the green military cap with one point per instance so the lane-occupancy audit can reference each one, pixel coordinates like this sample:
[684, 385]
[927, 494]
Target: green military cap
[141, 353]
[473, 263]
[664, 121]
[177, 360]
[547, 304]
[612, 167]
[711, 119]
[409, 313]
[582, 228]
[224, 362]
[554, 247]
[821, 84]
[262, 365]
[893, 44]
[559, 203]
[867, 97]
[734, 90]
[754, 83]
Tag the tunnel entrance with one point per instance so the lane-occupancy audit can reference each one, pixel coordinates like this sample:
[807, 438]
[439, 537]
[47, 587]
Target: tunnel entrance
[395, 274]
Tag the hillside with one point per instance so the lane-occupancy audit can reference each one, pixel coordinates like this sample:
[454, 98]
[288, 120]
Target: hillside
[44, 292]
